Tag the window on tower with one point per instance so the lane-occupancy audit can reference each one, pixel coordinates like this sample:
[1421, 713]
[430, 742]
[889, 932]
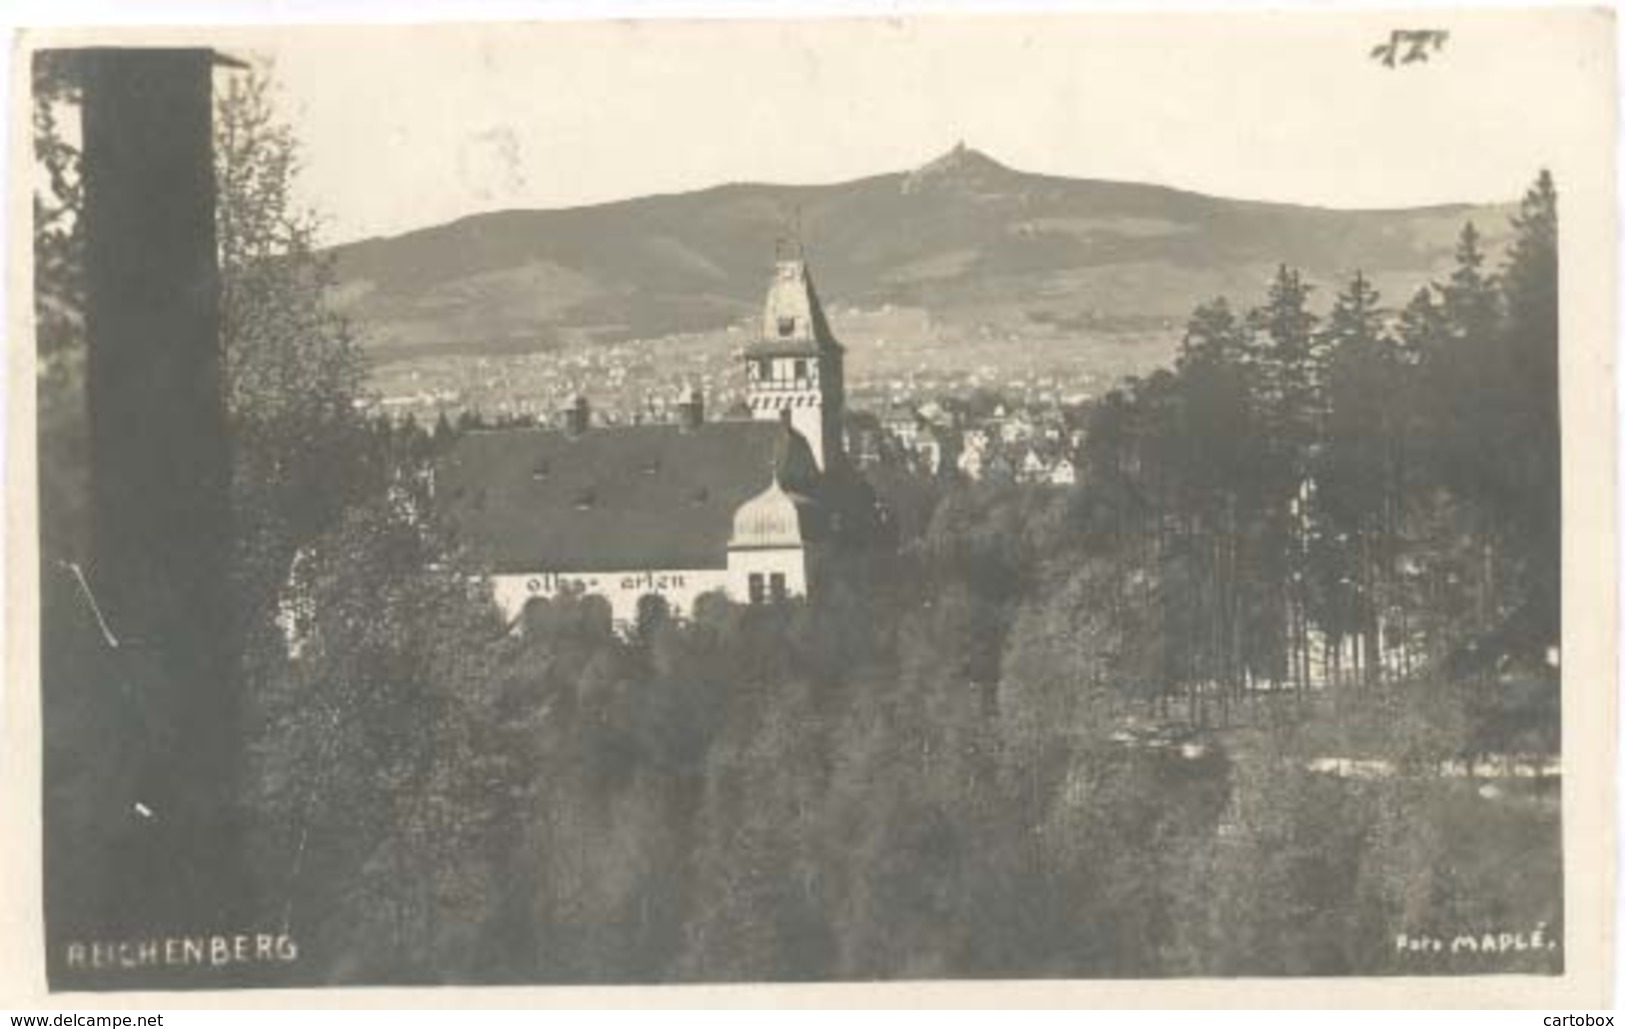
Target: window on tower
[758, 589]
[787, 326]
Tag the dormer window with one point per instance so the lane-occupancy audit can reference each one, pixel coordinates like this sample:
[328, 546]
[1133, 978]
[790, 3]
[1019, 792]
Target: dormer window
[787, 327]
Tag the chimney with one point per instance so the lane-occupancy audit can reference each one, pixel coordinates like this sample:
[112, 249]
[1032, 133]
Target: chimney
[577, 417]
[691, 409]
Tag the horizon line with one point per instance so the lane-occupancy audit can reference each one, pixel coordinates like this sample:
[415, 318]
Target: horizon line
[959, 148]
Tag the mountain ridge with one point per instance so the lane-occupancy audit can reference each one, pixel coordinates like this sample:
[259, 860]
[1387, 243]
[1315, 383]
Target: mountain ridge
[969, 240]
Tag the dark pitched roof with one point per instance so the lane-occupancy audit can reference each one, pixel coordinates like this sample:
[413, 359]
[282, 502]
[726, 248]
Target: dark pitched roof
[611, 499]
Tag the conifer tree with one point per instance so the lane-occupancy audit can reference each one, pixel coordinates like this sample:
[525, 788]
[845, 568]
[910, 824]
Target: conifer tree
[1532, 463]
[1289, 367]
[1353, 475]
[1219, 467]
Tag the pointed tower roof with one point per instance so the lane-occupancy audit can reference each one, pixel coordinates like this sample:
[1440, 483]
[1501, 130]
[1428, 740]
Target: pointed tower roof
[793, 322]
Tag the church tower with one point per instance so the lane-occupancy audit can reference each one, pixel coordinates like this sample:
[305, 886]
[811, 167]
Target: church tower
[793, 369]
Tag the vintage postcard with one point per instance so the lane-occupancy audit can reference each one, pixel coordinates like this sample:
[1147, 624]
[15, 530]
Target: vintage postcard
[974, 508]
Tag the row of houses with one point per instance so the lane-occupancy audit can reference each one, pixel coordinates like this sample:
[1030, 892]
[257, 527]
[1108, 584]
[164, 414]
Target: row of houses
[1032, 447]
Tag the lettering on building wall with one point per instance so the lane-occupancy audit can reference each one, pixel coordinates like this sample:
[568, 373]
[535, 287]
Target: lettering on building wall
[548, 583]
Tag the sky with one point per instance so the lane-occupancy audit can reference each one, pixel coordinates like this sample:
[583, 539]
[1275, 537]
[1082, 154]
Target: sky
[406, 127]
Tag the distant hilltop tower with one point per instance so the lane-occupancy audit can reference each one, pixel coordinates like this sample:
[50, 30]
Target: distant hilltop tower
[793, 369]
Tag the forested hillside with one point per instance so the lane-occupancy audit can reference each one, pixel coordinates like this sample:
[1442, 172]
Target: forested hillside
[965, 239]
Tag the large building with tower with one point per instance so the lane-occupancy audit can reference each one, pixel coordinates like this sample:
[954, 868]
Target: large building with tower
[755, 508]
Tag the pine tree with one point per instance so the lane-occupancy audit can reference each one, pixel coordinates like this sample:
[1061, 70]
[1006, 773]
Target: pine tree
[1421, 334]
[1219, 465]
[1289, 360]
[1354, 476]
[1289, 366]
[1531, 465]
[1469, 376]
[1471, 303]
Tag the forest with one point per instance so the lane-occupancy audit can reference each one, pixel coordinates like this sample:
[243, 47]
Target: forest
[1272, 691]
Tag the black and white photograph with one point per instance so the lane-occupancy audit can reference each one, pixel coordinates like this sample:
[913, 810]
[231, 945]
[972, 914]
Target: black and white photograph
[940, 498]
